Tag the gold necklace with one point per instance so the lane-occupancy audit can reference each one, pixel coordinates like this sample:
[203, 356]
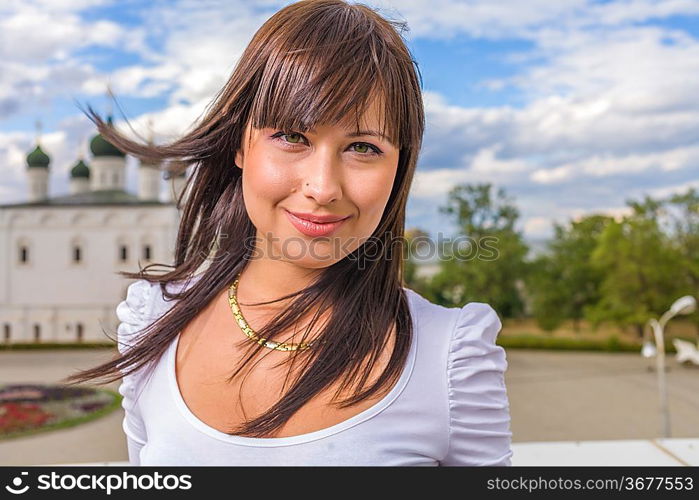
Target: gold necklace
[279, 346]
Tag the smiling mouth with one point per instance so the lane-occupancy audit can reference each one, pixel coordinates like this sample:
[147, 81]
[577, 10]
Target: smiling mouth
[318, 219]
[314, 229]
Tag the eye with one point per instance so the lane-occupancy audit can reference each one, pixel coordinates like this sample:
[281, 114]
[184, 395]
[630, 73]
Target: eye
[293, 135]
[297, 136]
[363, 148]
[368, 148]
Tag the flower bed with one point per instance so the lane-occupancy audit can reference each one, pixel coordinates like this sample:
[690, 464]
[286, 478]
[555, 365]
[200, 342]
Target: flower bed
[29, 408]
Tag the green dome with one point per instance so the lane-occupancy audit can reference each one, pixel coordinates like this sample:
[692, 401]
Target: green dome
[38, 158]
[80, 170]
[101, 147]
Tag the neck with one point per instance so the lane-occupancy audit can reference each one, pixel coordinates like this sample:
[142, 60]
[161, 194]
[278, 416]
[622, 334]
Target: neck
[263, 280]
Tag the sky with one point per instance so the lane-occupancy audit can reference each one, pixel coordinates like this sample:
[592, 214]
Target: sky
[571, 106]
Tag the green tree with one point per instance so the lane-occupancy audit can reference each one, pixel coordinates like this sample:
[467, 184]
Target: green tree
[562, 281]
[683, 222]
[641, 269]
[486, 260]
[416, 239]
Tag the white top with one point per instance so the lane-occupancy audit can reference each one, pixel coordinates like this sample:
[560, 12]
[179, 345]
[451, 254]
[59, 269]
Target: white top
[449, 407]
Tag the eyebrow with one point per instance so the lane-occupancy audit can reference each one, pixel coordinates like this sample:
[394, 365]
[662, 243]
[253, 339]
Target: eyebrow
[369, 132]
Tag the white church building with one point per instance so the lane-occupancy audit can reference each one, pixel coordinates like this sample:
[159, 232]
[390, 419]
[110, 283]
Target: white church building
[59, 256]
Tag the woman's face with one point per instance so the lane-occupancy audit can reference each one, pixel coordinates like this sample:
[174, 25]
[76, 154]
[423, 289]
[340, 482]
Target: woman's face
[325, 171]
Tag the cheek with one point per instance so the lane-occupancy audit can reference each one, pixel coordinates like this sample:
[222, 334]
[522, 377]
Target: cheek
[266, 178]
[265, 184]
[370, 193]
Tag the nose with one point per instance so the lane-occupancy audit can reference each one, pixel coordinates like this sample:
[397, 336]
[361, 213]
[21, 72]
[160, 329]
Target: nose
[322, 179]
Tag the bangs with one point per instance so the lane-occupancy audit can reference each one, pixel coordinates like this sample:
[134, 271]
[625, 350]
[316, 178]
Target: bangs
[332, 79]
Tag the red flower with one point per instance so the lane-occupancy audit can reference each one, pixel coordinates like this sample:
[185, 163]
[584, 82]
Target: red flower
[20, 416]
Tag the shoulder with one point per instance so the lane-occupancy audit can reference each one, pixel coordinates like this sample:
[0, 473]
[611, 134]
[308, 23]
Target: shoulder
[133, 311]
[467, 329]
[431, 316]
[145, 303]
[473, 367]
[476, 329]
[474, 356]
[132, 308]
[478, 403]
[144, 298]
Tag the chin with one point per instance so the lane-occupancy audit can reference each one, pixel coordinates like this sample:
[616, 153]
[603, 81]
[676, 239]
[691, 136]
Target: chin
[318, 265]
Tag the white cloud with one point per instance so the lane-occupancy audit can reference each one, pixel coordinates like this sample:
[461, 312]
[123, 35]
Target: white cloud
[537, 227]
[605, 66]
[486, 161]
[135, 81]
[38, 42]
[606, 165]
[437, 182]
[53, 6]
[32, 34]
[666, 191]
[200, 46]
[167, 124]
[516, 19]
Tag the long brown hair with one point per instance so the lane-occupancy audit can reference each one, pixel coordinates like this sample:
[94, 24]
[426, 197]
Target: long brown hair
[312, 62]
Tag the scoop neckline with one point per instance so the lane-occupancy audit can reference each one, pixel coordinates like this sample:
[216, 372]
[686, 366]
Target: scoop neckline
[364, 415]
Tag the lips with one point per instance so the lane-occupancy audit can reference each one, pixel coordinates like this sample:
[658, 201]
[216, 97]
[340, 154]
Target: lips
[319, 226]
[319, 219]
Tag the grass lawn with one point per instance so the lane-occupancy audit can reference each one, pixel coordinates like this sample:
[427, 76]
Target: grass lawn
[524, 333]
[62, 416]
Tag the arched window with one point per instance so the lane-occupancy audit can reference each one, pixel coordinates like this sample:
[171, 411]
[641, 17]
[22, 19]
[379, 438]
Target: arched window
[147, 248]
[23, 253]
[6, 333]
[122, 244]
[79, 332]
[37, 332]
[77, 249]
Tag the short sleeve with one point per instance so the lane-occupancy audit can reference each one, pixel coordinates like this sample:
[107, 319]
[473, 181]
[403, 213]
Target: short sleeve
[479, 416]
[130, 313]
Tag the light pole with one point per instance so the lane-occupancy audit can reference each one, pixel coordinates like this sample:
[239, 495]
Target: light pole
[648, 350]
[683, 305]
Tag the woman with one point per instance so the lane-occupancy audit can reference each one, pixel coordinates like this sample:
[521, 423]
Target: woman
[333, 361]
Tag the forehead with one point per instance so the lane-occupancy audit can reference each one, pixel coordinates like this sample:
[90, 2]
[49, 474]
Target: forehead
[373, 119]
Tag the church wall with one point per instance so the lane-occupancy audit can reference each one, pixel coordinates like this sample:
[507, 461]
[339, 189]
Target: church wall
[56, 291]
[38, 179]
[148, 183]
[107, 172]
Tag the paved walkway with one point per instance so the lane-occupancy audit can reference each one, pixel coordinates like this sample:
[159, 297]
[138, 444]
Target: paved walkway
[670, 452]
[580, 396]
[554, 396]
